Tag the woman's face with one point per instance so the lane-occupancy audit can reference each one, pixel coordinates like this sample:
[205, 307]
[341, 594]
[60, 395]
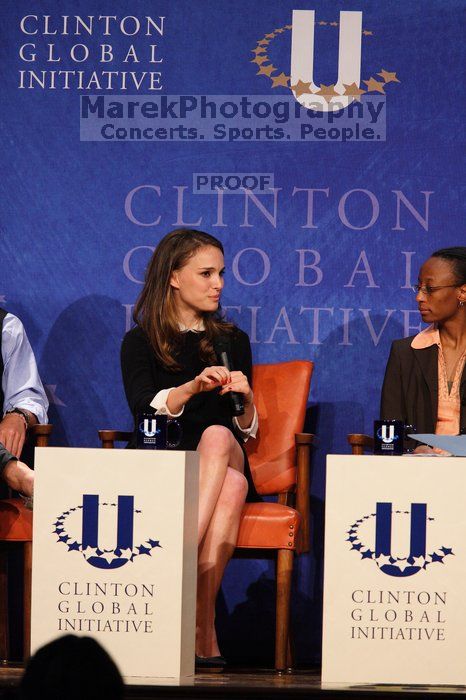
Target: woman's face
[197, 286]
[439, 305]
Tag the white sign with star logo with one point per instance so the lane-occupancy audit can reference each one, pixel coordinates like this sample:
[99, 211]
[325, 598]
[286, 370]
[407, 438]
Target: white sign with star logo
[395, 569]
[115, 555]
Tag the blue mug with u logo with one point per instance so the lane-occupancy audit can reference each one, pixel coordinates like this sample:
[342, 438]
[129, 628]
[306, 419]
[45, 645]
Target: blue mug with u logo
[155, 432]
[388, 437]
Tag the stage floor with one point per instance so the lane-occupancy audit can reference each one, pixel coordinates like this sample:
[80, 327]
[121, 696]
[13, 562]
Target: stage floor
[252, 683]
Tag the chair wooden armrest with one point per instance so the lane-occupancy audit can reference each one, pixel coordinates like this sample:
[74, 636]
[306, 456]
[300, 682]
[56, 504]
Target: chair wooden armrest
[40, 432]
[360, 443]
[303, 464]
[109, 437]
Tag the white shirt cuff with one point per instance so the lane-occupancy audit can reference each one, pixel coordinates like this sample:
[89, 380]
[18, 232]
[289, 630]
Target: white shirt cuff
[246, 433]
[159, 402]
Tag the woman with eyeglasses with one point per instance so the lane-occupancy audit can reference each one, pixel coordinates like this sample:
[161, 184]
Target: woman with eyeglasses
[425, 378]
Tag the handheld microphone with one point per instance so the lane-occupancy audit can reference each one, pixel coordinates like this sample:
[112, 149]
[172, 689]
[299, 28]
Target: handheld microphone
[221, 347]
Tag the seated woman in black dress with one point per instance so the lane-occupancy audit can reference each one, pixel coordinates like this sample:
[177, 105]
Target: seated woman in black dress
[425, 379]
[169, 366]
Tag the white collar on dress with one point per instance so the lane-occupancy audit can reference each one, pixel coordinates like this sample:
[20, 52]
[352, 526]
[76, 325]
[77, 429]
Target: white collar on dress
[427, 337]
[195, 328]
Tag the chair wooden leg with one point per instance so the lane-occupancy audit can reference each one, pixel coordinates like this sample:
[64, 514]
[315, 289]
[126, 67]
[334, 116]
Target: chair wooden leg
[284, 575]
[290, 651]
[27, 564]
[4, 636]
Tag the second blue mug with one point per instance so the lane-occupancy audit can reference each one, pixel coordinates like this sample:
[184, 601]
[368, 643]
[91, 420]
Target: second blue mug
[153, 432]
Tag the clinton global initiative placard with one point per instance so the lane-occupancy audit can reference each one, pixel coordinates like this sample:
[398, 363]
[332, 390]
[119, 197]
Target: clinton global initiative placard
[395, 564]
[115, 554]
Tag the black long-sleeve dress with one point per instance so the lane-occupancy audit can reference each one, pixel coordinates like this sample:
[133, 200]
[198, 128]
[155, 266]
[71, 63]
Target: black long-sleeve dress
[144, 377]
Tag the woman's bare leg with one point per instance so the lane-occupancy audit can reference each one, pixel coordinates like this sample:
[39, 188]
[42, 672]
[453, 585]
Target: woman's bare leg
[219, 525]
[214, 554]
[218, 450]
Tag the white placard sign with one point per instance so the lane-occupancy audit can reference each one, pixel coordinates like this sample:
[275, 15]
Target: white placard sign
[395, 570]
[115, 555]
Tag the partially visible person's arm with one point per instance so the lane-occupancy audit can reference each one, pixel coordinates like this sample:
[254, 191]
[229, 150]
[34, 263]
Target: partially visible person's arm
[22, 387]
[17, 475]
[138, 380]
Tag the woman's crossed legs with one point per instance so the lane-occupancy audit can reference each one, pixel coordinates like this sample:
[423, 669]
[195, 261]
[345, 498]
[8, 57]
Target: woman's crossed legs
[222, 493]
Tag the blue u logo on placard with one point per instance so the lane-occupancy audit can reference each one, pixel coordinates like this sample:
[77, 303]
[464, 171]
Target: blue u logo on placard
[383, 537]
[90, 531]
[82, 534]
[378, 525]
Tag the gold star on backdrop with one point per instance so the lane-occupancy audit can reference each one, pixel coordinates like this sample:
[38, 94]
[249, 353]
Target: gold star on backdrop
[259, 60]
[374, 85]
[354, 91]
[301, 88]
[280, 80]
[388, 77]
[327, 91]
[266, 70]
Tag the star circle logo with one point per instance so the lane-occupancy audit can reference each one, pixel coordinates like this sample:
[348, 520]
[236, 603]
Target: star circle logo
[377, 528]
[268, 49]
[77, 528]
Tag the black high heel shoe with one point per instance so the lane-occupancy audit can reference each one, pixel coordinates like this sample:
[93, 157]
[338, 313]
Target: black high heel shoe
[210, 664]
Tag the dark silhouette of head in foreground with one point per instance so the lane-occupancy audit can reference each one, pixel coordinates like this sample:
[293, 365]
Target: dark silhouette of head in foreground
[71, 668]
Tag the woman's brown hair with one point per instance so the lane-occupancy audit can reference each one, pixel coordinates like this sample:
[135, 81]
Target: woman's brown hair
[155, 310]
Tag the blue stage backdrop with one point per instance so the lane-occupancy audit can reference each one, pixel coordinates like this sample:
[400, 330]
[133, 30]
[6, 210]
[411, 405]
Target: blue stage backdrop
[327, 181]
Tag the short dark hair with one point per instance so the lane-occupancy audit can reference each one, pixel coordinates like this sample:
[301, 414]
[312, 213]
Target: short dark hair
[71, 667]
[457, 258]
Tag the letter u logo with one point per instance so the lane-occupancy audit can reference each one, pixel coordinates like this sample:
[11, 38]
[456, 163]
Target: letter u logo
[383, 538]
[388, 433]
[90, 528]
[149, 427]
[349, 58]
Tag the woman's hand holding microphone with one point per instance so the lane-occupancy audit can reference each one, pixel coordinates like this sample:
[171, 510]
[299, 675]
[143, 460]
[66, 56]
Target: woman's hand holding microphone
[218, 376]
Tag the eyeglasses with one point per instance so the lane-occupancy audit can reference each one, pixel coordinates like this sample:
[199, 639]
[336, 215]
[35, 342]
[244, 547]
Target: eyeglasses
[425, 289]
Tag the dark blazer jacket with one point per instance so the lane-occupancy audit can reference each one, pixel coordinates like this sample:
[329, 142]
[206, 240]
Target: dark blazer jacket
[410, 387]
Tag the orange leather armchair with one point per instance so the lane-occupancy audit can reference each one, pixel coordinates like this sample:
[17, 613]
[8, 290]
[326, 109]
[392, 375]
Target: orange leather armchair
[16, 529]
[280, 465]
[279, 459]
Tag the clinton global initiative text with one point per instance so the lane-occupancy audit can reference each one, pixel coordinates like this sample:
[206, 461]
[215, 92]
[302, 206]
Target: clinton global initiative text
[84, 599]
